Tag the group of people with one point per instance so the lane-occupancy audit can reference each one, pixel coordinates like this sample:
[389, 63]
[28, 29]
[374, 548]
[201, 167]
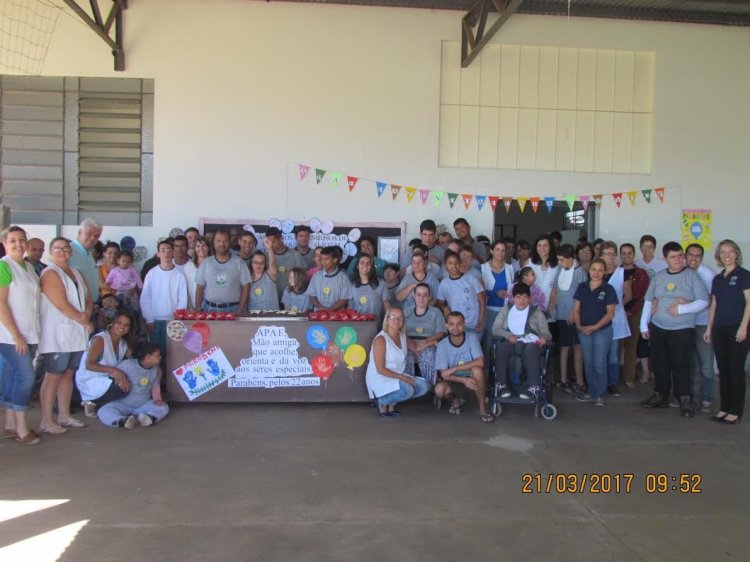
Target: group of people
[460, 316]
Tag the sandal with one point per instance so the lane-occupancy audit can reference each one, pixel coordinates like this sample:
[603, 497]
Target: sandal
[72, 422]
[10, 434]
[487, 418]
[456, 410]
[53, 430]
[385, 414]
[31, 438]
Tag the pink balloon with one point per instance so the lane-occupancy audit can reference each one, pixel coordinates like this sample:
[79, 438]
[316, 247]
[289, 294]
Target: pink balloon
[193, 341]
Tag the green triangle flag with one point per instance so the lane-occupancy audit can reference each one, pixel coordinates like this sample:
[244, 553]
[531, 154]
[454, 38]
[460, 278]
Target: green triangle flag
[319, 175]
[452, 198]
[571, 199]
[646, 195]
[438, 195]
[336, 177]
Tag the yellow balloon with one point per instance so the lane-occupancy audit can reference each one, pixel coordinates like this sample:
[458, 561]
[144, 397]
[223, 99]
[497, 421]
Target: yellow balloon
[355, 356]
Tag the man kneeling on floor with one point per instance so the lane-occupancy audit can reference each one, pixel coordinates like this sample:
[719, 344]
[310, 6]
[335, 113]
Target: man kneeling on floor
[143, 404]
[460, 364]
[524, 331]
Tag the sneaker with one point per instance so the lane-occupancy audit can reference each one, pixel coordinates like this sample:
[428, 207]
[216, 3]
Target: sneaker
[529, 393]
[673, 403]
[569, 387]
[705, 406]
[503, 391]
[145, 420]
[614, 390]
[584, 397]
[643, 379]
[655, 401]
[599, 402]
[89, 409]
[686, 407]
[129, 423]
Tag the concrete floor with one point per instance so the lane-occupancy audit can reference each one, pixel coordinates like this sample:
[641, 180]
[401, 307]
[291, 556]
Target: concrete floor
[334, 482]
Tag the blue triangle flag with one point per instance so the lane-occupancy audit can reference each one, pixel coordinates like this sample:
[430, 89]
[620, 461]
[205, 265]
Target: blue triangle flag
[381, 187]
[549, 201]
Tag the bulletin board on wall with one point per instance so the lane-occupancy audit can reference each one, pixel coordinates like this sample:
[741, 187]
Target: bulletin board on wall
[390, 236]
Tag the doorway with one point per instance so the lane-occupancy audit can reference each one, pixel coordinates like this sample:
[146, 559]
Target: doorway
[527, 225]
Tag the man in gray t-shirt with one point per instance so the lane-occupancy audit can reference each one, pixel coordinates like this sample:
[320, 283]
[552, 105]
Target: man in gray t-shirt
[223, 280]
[286, 258]
[460, 363]
[673, 298]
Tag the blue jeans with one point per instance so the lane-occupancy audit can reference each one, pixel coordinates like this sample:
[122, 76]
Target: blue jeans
[207, 308]
[18, 375]
[704, 358]
[613, 363]
[595, 349]
[405, 392]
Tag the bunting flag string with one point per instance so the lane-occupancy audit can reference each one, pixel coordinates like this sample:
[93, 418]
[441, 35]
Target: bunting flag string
[436, 196]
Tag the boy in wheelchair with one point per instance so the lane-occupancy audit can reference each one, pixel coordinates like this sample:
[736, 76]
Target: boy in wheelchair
[522, 330]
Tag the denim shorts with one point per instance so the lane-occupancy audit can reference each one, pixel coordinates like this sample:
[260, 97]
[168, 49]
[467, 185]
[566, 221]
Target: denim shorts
[57, 363]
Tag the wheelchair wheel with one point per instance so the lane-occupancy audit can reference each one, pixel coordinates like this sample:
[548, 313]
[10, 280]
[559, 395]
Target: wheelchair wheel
[497, 409]
[549, 412]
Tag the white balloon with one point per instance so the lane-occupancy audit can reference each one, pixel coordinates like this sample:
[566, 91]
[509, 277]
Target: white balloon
[326, 227]
[315, 225]
[350, 249]
[354, 234]
[275, 223]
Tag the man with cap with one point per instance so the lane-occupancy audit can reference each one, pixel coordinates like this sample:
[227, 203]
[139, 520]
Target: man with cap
[286, 258]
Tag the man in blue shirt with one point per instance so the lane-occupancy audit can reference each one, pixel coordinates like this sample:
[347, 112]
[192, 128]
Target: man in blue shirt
[82, 258]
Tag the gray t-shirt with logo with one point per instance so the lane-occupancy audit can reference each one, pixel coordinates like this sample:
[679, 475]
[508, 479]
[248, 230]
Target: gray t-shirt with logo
[222, 281]
[666, 287]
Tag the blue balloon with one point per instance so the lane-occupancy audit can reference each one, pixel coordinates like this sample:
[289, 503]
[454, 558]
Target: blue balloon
[318, 337]
[696, 229]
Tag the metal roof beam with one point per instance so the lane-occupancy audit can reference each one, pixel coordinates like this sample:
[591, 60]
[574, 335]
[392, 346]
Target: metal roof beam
[102, 28]
[472, 41]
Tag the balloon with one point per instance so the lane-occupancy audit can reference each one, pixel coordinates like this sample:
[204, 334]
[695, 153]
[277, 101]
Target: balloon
[345, 337]
[204, 330]
[333, 351]
[696, 229]
[355, 356]
[322, 366]
[192, 341]
[317, 337]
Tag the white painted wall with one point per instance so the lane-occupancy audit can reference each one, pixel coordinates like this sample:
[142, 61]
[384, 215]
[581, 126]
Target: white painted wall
[245, 90]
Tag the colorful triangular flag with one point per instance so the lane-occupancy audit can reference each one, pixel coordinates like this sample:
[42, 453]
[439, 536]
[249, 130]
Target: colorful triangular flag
[507, 201]
[351, 181]
[646, 195]
[481, 199]
[380, 187]
[631, 197]
[618, 199]
[467, 199]
[395, 189]
[303, 171]
[493, 201]
[319, 175]
[534, 203]
[549, 202]
[521, 202]
[410, 192]
[336, 178]
[571, 201]
[584, 201]
[423, 195]
[660, 194]
[438, 196]
[598, 200]
[452, 198]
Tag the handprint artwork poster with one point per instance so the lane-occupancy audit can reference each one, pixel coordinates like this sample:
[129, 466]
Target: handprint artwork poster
[203, 372]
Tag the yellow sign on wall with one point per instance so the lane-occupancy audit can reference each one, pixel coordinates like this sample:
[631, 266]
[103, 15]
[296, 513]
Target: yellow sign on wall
[696, 227]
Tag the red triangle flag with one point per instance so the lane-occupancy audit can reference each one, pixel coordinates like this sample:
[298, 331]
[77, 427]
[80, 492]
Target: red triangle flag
[493, 201]
[660, 194]
[618, 198]
[351, 181]
[534, 203]
[467, 200]
[303, 171]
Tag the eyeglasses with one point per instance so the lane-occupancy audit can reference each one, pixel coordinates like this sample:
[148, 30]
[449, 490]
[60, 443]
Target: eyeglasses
[61, 249]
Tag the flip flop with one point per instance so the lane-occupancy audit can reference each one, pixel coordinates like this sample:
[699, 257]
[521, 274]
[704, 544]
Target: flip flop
[487, 418]
[54, 430]
[31, 438]
[385, 414]
[456, 410]
[72, 422]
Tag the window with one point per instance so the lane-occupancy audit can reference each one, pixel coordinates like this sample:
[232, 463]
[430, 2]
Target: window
[75, 148]
[574, 220]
